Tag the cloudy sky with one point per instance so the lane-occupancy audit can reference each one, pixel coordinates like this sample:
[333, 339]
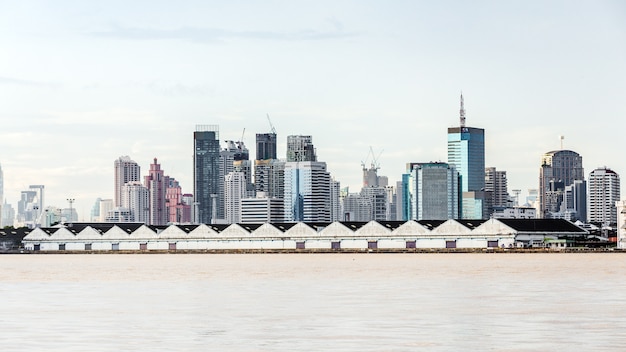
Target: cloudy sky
[84, 82]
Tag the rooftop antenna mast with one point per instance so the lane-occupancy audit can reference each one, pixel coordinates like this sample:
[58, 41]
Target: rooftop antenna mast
[561, 138]
[462, 112]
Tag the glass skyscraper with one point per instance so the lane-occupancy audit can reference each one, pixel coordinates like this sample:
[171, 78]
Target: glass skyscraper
[466, 152]
[206, 171]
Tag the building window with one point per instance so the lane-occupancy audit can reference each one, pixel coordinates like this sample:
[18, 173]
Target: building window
[143, 246]
[335, 245]
[300, 245]
[115, 246]
[87, 246]
[37, 247]
[492, 244]
[62, 246]
[172, 246]
[410, 244]
[372, 244]
[450, 244]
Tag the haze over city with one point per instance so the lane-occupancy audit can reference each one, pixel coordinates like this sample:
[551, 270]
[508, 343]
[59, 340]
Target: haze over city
[84, 83]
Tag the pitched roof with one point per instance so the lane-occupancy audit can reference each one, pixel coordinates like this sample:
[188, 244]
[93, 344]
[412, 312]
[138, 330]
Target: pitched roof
[543, 225]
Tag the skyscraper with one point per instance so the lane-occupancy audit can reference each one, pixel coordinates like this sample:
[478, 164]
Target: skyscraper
[307, 192]
[206, 170]
[559, 168]
[136, 199]
[466, 152]
[496, 189]
[300, 148]
[604, 193]
[265, 146]
[156, 182]
[234, 192]
[126, 170]
[434, 191]
[233, 157]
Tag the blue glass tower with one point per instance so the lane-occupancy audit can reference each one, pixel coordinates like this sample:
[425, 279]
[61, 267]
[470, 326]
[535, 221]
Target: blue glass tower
[466, 152]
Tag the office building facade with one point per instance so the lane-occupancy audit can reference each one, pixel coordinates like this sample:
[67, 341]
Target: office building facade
[206, 172]
[559, 169]
[466, 152]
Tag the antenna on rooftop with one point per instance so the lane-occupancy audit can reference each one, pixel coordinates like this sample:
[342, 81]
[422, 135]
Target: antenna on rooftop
[462, 112]
[561, 138]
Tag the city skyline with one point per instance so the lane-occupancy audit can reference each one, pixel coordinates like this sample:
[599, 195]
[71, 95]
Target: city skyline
[87, 83]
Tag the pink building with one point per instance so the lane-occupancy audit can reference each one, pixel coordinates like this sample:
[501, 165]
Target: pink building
[157, 184]
[179, 210]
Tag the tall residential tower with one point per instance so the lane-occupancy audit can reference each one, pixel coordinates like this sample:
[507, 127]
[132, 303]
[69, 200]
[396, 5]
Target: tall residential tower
[206, 170]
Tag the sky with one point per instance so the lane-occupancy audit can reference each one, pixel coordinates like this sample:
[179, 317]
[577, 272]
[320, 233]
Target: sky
[84, 82]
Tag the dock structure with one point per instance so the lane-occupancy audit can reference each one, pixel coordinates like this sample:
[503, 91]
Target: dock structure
[299, 236]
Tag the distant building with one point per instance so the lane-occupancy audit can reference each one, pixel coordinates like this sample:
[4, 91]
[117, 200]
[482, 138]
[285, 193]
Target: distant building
[307, 192]
[8, 215]
[604, 194]
[135, 199]
[514, 213]
[234, 193]
[156, 182]
[434, 191]
[262, 209]
[559, 168]
[106, 205]
[206, 173]
[265, 146]
[125, 170]
[466, 152]
[178, 204]
[496, 189]
[300, 148]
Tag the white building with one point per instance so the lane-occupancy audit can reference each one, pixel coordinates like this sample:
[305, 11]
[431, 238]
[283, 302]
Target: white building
[307, 192]
[604, 193]
[136, 198]
[514, 213]
[350, 236]
[234, 192]
[262, 209]
[126, 170]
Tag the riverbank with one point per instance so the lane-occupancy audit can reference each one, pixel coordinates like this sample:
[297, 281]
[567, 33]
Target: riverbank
[331, 251]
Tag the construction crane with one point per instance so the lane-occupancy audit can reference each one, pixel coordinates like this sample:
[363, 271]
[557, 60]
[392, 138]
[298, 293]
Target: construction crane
[273, 130]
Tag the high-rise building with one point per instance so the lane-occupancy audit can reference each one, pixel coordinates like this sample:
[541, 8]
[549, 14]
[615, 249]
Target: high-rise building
[126, 170]
[434, 191]
[106, 205]
[335, 202]
[604, 194]
[156, 182]
[559, 168]
[136, 198]
[307, 192]
[574, 202]
[206, 172]
[466, 152]
[265, 146]
[300, 148]
[8, 215]
[266, 173]
[178, 204]
[496, 189]
[233, 155]
[234, 192]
